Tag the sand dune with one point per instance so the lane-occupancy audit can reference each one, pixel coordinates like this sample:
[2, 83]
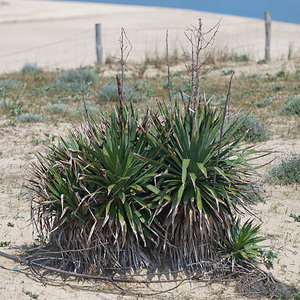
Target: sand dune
[61, 34]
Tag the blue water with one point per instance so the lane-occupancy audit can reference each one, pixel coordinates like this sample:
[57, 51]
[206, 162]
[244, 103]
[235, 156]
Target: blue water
[281, 10]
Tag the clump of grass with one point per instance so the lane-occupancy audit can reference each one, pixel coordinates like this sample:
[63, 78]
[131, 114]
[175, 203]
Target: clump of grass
[144, 87]
[31, 69]
[80, 75]
[281, 74]
[75, 79]
[286, 172]
[109, 93]
[262, 62]
[10, 84]
[292, 107]
[227, 72]
[265, 102]
[239, 58]
[255, 130]
[92, 110]
[57, 108]
[30, 117]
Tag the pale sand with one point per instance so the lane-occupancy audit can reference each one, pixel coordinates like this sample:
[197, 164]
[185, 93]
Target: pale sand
[61, 34]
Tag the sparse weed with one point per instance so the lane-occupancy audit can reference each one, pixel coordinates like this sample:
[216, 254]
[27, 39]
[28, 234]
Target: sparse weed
[144, 87]
[286, 172]
[295, 217]
[292, 107]
[276, 88]
[268, 257]
[31, 69]
[30, 117]
[281, 74]
[31, 295]
[4, 244]
[227, 72]
[143, 68]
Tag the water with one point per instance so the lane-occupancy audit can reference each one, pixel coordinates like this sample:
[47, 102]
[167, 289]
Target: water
[281, 10]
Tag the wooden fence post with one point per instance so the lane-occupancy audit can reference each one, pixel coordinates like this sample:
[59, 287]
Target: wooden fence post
[268, 36]
[99, 48]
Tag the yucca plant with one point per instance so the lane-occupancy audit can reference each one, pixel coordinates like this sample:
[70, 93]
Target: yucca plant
[128, 194]
[92, 195]
[241, 242]
[206, 173]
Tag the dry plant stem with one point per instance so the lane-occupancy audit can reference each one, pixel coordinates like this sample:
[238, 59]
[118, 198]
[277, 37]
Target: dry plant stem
[246, 277]
[120, 92]
[222, 125]
[168, 64]
[124, 53]
[198, 42]
[182, 98]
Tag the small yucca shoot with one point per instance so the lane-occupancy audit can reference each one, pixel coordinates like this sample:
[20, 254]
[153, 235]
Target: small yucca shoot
[241, 243]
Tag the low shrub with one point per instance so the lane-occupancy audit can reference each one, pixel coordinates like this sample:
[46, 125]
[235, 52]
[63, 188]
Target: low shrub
[75, 80]
[292, 107]
[92, 110]
[29, 117]
[262, 62]
[286, 172]
[10, 84]
[80, 75]
[57, 108]
[239, 58]
[265, 102]
[109, 92]
[31, 69]
[254, 129]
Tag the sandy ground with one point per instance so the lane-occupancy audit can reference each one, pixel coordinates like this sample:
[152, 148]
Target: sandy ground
[61, 34]
[18, 145]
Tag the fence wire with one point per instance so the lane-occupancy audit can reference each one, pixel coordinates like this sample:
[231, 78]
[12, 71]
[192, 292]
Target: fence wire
[79, 49]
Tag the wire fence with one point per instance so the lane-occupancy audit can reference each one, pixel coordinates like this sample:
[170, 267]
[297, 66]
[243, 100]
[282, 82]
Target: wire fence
[79, 49]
